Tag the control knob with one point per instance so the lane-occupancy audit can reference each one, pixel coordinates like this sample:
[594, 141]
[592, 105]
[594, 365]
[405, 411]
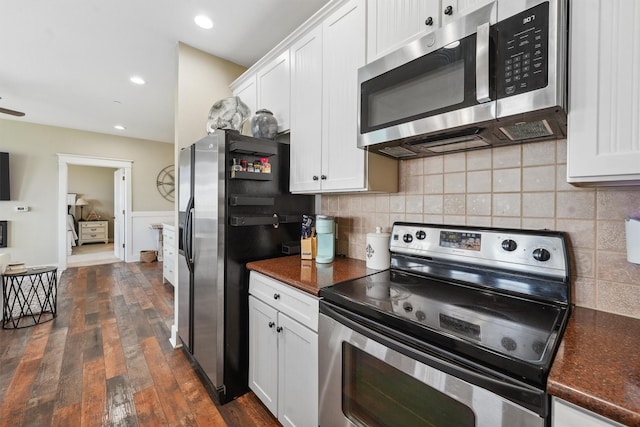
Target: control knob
[541, 254]
[420, 235]
[407, 238]
[509, 245]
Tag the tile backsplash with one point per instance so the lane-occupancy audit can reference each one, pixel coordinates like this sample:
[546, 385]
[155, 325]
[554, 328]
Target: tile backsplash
[520, 186]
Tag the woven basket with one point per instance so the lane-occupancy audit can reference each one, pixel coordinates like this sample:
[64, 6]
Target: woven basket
[148, 256]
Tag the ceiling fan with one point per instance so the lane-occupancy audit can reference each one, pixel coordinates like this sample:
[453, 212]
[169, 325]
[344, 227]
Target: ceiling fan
[11, 112]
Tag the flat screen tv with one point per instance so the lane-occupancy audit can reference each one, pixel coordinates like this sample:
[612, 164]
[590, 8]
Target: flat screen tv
[4, 177]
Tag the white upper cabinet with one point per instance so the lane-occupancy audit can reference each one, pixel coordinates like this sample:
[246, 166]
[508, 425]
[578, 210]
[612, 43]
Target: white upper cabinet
[450, 10]
[603, 135]
[306, 111]
[392, 24]
[247, 92]
[273, 89]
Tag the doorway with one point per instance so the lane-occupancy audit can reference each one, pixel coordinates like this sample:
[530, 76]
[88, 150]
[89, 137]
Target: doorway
[122, 203]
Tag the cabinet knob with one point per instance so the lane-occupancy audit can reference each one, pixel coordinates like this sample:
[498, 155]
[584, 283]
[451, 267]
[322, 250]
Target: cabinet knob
[428, 21]
[315, 177]
[279, 329]
[276, 296]
[272, 324]
[323, 176]
[448, 10]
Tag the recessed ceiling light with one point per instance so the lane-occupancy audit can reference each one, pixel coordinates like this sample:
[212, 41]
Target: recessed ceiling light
[119, 127]
[137, 80]
[203, 21]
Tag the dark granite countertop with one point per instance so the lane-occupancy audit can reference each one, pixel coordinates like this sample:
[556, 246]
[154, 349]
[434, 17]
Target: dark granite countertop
[597, 365]
[308, 276]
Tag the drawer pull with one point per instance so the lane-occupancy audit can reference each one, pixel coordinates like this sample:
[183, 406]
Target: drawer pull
[272, 324]
[279, 329]
[276, 296]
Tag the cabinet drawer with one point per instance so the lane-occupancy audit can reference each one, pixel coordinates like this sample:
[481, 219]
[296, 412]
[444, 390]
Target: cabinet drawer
[93, 235]
[298, 305]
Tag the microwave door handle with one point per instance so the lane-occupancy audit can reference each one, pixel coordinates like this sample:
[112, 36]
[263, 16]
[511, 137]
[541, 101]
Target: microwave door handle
[482, 63]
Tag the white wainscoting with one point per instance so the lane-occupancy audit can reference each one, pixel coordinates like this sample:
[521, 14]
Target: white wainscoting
[145, 238]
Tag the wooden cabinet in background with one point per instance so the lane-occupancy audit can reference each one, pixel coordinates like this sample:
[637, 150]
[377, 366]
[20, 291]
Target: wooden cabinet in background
[93, 231]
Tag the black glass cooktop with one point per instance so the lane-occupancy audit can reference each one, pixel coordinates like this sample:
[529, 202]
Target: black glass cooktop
[507, 331]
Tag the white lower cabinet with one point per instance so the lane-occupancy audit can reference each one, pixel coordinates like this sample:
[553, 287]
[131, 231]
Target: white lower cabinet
[565, 414]
[283, 350]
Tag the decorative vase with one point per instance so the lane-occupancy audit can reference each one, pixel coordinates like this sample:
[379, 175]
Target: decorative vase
[228, 113]
[264, 125]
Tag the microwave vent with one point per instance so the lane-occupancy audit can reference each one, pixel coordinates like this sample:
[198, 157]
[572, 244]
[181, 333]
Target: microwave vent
[397, 152]
[527, 130]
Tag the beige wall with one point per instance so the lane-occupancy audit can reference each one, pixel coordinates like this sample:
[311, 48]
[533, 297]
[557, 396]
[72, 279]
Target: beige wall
[518, 187]
[34, 180]
[95, 185]
[203, 79]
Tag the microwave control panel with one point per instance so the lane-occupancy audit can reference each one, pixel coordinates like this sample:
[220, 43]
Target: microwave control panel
[522, 63]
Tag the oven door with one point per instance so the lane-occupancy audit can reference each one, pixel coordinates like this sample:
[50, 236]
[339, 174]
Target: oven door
[438, 82]
[366, 381]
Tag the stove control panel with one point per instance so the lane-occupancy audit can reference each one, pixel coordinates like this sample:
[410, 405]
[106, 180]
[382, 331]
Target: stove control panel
[542, 252]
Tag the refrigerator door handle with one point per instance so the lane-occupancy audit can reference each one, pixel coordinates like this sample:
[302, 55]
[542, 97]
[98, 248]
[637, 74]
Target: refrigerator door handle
[188, 235]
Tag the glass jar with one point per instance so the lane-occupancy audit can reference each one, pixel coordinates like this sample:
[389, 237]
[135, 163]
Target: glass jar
[264, 125]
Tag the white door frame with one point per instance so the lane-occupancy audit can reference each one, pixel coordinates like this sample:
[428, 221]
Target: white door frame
[64, 160]
[119, 213]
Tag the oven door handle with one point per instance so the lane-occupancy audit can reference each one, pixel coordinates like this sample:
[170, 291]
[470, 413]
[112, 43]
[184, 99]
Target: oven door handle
[482, 63]
[528, 396]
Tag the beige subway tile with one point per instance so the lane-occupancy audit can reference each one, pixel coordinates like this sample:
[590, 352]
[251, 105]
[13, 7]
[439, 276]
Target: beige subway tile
[507, 157]
[614, 266]
[539, 205]
[324, 203]
[433, 204]
[368, 203]
[576, 204]
[561, 151]
[561, 180]
[611, 236]
[454, 204]
[433, 165]
[479, 204]
[414, 184]
[619, 298]
[583, 263]
[455, 182]
[455, 162]
[617, 204]
[433, 219]
[381, 220]
[434, 184]
[396, 217]
[538, 223]
[382, 203]
[412, 167]
[584, 292]
[540, 153]
[506, 222]
[334, 203]
[479, 221]
[368, 222]
[506, 180]
[397, 203]
[506, 204]
[581, 232]
[413, 204]
[455, 219]
[479, 181]
[478, 160]
[414, 217]
[539, 178]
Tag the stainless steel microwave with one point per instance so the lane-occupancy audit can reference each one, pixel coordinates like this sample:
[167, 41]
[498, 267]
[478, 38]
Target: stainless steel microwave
[495, 76]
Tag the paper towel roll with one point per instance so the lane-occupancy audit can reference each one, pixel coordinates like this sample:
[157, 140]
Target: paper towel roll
[377, 250]
[632, 230]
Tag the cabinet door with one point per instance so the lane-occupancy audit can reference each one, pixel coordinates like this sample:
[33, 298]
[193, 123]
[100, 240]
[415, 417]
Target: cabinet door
[297, 374]
[392, 24]
[273, 89]
[306, 112]
[458, 8]
[603, 135]
[248, 93]
[343, 163]
[564, 414]
[263, 353]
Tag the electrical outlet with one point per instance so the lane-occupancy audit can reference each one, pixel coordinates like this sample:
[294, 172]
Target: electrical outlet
[22, 208]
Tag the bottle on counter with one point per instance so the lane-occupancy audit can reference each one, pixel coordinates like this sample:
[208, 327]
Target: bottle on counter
[257, 166]
[266, 166]
[243, 164]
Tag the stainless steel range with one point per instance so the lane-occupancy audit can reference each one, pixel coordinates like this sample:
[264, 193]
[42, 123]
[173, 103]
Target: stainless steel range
[460, 331]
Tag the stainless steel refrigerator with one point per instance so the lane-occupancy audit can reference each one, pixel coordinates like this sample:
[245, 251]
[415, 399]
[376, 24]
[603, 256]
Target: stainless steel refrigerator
[227, 218]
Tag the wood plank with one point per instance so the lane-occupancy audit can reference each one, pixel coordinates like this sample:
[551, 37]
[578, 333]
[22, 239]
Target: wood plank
[93, 393]
[67, 416]
[70, 383]
[173, 402]
[18, 393]
[39, 410]
[114, 360]
[121, 410]
[46, 381]
[148, 408]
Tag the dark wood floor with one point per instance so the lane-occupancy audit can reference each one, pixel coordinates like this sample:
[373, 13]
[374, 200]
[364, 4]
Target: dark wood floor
[106, 360]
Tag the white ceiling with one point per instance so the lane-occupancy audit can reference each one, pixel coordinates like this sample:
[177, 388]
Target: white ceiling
[67, 63]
